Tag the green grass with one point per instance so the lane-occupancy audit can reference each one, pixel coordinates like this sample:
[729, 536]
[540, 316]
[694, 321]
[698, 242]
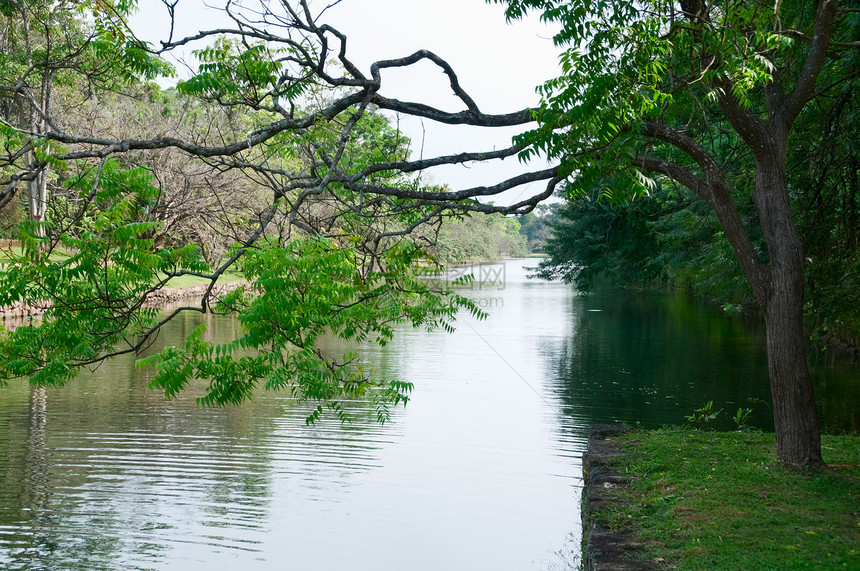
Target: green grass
[178, 282]
[719, 500]
[190, 281]
[6, 251]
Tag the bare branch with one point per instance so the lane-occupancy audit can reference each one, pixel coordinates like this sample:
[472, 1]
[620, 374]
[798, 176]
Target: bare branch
[449, 196]
[446, 67]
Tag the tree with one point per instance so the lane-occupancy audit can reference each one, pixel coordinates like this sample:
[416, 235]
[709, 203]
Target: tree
[48, 46]
[331, 251]
[593, 240]
[823, 173]
[706, 97]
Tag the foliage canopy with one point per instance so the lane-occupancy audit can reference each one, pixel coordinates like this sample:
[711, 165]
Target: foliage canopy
[274, 159]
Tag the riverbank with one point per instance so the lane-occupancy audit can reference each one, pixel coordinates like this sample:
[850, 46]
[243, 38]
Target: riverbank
[191, 291]
[678, 498]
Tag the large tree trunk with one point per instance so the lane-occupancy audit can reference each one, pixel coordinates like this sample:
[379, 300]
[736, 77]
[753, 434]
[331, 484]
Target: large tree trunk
[798, 441]
[795, 415]
[777, 282]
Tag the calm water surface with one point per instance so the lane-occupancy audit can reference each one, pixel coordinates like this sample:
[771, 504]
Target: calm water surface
[481, 470]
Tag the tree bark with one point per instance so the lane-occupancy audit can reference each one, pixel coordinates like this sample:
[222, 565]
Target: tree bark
[38, 199]
[795, 416]
[798, 441]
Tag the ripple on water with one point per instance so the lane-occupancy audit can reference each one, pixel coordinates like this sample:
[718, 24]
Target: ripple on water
[480, 471]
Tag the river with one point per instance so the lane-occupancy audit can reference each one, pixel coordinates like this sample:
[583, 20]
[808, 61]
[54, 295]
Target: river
[480, 471]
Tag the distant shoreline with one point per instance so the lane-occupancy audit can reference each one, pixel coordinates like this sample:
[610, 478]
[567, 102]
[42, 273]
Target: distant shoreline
[162, 296]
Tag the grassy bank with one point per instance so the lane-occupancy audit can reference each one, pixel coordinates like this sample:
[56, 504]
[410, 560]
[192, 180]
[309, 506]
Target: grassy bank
[717, 500]
[191, 281]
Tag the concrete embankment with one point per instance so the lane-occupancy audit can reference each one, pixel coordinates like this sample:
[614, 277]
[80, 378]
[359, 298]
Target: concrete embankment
[19, 310]
[605, 549]
[174, 294]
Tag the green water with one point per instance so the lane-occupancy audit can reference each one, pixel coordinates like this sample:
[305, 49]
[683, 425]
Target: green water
[481, 470]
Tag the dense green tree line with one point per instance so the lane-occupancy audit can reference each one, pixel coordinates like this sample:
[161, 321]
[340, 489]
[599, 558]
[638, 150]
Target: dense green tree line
[480, 238]
[536, 226]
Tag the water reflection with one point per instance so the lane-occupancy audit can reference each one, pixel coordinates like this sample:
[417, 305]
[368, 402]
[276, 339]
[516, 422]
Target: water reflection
[654, 358]
[482, 470]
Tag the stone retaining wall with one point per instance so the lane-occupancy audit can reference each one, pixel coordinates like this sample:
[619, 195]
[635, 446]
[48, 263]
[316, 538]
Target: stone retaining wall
[604, 549]
[19, 310]
[174, 294]
[163, 296]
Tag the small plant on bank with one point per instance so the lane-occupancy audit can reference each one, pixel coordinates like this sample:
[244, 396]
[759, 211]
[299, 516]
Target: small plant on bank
[703, 416]
[706, 416]
[741, 418]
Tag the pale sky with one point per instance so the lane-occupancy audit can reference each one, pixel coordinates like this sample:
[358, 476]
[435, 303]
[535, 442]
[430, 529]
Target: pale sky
[498, 64]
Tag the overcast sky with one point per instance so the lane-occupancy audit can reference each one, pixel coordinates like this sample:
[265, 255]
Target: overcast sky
[498, 64]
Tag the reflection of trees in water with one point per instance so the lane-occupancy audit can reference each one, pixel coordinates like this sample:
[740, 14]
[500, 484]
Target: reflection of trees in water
[111, 474]
[25, 477]
[654, 358]
[837, 393]
[37, 452]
